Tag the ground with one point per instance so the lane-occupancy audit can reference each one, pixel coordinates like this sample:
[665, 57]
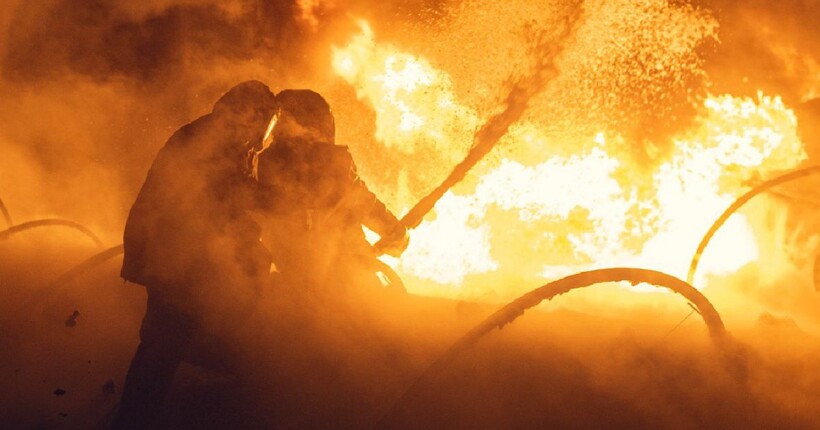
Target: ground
[307, 363]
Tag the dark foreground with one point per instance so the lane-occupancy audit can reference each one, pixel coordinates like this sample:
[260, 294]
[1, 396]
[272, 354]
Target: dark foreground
[308, 363]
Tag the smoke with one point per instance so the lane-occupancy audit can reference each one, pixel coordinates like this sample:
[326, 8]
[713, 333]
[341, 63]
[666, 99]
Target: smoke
[767, 47]
[106, 40]
[773, 49]
[93, 88]
[108, 81]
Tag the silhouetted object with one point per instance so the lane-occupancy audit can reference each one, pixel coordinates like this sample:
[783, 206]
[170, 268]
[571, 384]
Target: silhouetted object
[766, 185]
[191, 242]
[6, 214]
[59, 392]
[71, 321]
[318, 203]
[5, 234]
[516, 308]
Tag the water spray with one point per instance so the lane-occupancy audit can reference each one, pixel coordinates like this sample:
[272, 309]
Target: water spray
[485, 138]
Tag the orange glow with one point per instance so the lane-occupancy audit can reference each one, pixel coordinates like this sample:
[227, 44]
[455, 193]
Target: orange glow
[268, 137]
[415, 104]
[568, 213]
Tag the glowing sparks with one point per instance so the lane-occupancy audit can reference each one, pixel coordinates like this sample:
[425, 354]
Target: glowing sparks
[414, 102]
[527, 219]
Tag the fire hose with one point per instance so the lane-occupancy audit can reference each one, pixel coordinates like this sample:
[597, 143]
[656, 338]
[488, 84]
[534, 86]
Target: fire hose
[497, 126]
[742, 200]
[484, 140]
[517, 307]
[488, 135]
[40, 295]
[5, 234]
[6, 213]
[89, 264]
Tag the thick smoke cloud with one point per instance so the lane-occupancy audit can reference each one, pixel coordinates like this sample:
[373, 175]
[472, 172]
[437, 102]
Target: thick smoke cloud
[100, 85]
[106, 40]
[93, 88]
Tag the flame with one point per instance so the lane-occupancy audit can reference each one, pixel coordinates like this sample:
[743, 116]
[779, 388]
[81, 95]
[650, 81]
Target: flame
[524, 220]
[309, 9]
[415, 105]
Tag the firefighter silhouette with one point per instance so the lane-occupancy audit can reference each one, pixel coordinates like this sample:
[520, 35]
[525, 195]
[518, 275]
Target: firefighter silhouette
[190, 240]
[317, 203]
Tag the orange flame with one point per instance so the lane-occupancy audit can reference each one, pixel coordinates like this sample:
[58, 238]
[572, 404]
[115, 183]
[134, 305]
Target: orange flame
[524, 221]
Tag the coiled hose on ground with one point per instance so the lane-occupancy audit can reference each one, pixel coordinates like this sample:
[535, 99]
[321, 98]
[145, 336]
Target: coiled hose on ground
[516, 308]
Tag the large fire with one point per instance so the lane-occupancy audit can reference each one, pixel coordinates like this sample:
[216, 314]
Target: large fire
[531, 221]
[558, 165]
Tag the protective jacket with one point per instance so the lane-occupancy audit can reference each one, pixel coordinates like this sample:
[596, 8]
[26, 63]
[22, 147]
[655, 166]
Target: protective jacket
[190, 221]
[318, 205]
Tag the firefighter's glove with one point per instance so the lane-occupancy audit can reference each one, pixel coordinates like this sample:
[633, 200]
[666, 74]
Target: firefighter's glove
[395, 243]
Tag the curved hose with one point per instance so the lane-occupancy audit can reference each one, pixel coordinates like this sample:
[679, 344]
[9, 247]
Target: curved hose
[6, 213]
[40, 296]
[5, 234]
[89, 264]
[797, 174]
[516, 308]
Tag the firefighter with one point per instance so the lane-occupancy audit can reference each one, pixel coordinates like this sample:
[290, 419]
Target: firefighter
[318, 204]
[190, 241]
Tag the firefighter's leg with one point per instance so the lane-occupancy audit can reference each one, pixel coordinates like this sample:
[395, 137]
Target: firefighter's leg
[164, 336]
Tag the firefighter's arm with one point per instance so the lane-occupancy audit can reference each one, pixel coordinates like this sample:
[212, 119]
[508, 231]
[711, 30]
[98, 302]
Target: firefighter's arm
[394, 236]
[375, 216]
